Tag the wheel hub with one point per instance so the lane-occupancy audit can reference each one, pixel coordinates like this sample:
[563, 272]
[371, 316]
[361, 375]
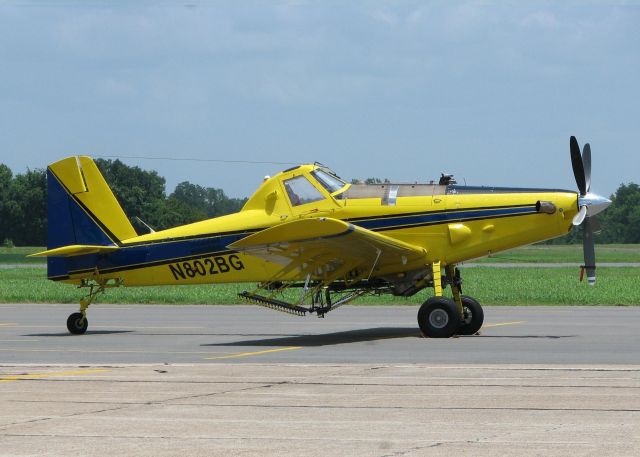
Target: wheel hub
[438, 318]
[468, 315]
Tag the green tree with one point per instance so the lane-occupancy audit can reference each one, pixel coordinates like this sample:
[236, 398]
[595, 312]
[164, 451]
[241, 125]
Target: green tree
[140, 192]
[172, 212]
[142, 195]
[621, 221]
[23, 212]
[5, 184]
[207, 200]
[26, 209]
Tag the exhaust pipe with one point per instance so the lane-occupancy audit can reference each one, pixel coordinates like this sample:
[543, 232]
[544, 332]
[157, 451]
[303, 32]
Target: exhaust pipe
[545, 207]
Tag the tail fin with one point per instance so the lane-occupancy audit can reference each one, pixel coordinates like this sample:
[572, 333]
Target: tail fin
[83, 215]
[81, 208]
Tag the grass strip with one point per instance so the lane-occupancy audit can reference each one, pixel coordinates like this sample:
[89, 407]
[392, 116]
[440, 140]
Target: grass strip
[565, 253]
[495, 286]
[19, 255]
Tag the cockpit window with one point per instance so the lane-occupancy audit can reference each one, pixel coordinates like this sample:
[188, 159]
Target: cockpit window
[330, 182]
[301, 191]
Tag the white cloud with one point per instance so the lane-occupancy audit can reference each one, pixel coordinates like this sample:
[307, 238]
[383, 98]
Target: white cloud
[416, 78]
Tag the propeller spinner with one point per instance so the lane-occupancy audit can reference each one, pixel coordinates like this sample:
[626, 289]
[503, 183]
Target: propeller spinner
[590, 205]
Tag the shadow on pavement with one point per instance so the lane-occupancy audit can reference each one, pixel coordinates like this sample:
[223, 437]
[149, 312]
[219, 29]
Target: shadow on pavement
[549, 337]
[328, 339]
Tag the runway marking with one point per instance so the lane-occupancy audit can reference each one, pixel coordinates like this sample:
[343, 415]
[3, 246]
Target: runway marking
[249, 354]
[109, 351]
[18, 341]
[501, 324]
[8, 324]
[166, 327]
[19, 377]
[119, 327]
[113, 308]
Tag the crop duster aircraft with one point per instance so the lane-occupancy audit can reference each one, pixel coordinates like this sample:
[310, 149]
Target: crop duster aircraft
[306, 228]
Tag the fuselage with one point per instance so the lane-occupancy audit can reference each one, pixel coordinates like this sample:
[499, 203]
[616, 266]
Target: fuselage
[451, 223]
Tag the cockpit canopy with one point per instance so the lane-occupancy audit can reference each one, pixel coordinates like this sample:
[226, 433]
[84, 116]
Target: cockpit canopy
[301, 191]
[328, 180]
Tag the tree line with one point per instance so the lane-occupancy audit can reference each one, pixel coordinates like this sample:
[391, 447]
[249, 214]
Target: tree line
[142, 194]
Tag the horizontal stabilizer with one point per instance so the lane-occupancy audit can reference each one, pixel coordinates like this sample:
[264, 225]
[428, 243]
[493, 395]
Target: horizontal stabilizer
[74, 249]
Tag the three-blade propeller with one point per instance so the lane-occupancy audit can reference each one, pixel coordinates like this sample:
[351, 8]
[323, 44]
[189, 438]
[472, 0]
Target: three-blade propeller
[590, 204]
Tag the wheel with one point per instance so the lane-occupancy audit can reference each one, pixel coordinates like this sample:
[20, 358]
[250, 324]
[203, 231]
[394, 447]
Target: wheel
[473, 316]
[438, 317]
[77, 324]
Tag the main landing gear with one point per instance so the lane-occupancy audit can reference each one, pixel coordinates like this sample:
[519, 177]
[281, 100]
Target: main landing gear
[442, 317]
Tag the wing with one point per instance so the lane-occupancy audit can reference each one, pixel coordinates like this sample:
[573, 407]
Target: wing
[328, 249]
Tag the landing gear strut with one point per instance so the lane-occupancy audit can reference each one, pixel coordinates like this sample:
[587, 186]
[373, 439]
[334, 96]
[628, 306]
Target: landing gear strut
[77, 323]
[442, 317]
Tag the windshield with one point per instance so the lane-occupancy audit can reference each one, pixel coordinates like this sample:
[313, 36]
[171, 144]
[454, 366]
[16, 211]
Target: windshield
[330, 182]
[301, 191]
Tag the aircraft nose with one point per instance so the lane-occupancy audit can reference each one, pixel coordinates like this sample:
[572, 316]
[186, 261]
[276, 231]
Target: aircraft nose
[595, 203]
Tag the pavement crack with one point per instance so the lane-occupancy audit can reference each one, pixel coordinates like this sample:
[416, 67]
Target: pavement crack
[213, 394]
[335, 384]
[122, 406]
[66, 416]
[423, 408]
[413, 449]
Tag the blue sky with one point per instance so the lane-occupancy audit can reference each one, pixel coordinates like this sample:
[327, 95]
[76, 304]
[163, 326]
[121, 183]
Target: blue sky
[489, 91]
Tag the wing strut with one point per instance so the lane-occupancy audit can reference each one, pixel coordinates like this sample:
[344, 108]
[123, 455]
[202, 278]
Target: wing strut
[375, 263]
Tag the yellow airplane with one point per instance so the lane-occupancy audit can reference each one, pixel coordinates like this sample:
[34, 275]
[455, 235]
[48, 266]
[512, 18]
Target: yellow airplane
[306, 228]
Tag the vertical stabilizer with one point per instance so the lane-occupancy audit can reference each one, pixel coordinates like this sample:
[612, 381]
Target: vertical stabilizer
[81, 208]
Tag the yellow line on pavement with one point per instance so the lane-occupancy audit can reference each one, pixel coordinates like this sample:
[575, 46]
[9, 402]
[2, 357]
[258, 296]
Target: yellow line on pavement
[18, 341]
[28, 376]
[501, 324]
[118, 327]
[249, 354]
[159, 327]
[108, 351]
[7, 324]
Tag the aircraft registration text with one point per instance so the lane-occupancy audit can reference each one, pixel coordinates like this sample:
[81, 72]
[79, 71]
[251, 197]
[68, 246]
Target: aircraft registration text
[204, 267]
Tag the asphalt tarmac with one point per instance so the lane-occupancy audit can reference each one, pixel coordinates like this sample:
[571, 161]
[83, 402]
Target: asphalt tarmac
[351, 334]
[246, 381]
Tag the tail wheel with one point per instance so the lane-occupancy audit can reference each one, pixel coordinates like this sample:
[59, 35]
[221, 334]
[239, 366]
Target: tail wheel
[77, 323]
[438, 317]
[473, 316]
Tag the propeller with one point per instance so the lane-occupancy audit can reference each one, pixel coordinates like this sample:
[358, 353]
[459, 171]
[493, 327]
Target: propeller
[590, 205]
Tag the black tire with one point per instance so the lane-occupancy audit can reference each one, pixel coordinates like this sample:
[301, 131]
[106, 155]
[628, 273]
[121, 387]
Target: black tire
[77, 324]
[473, 316]
[438, 317]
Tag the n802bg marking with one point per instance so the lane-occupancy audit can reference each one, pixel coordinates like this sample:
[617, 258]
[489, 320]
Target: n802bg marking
[206, 267]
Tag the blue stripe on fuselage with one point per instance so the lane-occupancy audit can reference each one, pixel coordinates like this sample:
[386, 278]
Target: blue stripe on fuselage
[397, 222]
[170, 251]
[142, 255]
